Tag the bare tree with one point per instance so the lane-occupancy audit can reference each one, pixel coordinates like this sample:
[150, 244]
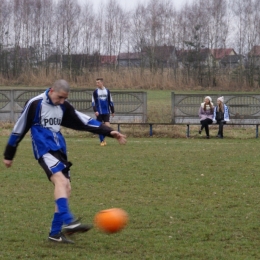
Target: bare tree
[5, 25]
[68, 27]
[247, 20]
[115, 26]
[88, 29]
[139, 37]
[5, 20]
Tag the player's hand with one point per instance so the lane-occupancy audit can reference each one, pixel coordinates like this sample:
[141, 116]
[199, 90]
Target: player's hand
[120, 138]
[113, 115]
[96, 113]
[8, 163]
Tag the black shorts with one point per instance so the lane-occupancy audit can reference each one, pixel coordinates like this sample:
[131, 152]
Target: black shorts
[55, 161]
[103, 118]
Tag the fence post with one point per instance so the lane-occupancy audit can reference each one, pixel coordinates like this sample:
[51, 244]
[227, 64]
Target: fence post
[173, 105]
[12, 119]
[188, 131]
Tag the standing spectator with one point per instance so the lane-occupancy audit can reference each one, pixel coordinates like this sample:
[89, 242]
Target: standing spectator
[221, 115]
[102, 104]
[44, 115]
[206, 115]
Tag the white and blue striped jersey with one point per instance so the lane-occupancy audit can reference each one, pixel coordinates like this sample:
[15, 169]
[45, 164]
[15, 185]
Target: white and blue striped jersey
[102, 101]
[45, 120]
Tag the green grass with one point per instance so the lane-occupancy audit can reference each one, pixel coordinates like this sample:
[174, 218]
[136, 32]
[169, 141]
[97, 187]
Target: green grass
[186, 199]
[159, 106]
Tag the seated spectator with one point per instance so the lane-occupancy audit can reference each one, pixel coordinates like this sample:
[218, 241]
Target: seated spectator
[206, 115]
[221, 115]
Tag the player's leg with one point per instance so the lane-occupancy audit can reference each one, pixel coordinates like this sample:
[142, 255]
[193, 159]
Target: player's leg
[106, 120]
[57, 167]
[61, 194]
[101, 137]
[57, 221]
[62, 197]
[53, 164]
[74, 225]
[62, 212]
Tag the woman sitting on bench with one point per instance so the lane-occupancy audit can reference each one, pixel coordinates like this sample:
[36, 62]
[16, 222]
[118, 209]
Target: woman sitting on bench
[221, 115]
[206, 115]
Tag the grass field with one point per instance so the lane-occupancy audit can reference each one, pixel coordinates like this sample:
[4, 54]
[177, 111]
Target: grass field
[186, 198]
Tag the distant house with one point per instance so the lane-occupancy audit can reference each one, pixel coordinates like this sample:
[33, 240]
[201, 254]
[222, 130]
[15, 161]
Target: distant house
[254, 56]
[108, 60]
[156, 56]
[18, 55]
[161, 56]
[221, 53]
[194, 59]
[128, 59]
[73, 61]
[233, 61]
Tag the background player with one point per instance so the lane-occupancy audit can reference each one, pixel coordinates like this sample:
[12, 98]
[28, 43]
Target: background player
[102, 104]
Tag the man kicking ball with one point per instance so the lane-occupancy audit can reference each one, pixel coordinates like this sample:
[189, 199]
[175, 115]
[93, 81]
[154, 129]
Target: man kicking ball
[44, 115]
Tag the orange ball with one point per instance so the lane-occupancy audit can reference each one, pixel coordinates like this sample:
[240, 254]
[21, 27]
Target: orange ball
[111, 220]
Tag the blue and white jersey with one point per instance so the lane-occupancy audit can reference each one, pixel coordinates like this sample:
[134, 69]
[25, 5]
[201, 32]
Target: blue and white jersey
[102, 101]
[45, 120]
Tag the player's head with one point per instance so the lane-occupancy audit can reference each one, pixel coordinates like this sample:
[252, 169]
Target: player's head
[59, 91]
[99, 82]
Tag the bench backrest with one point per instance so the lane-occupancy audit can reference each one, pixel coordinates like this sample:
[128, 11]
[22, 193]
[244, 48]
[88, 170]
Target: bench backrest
[243, 108]
[130, 107]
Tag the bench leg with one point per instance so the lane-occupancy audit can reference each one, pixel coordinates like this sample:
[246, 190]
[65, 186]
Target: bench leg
[256, 131]
[188, 131]
[151, 129]
[118, 128]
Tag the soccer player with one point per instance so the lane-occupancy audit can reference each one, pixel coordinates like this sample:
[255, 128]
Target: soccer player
[102, 104]
[44, 115]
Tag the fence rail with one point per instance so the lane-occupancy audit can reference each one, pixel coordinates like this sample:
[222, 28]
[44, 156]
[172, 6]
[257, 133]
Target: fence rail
[130, 107]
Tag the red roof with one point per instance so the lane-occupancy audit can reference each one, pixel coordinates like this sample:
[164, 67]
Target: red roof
[130, 56]
[105, 59]
[255, 51]
[221, 53]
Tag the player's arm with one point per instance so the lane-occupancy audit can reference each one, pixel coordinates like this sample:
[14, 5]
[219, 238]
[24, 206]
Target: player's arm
[94, 97]
[78, 121]
[111, 103]
[21, 127]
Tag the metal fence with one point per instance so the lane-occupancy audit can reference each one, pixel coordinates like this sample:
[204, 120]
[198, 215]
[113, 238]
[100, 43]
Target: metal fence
[130, 107]
[243, 108]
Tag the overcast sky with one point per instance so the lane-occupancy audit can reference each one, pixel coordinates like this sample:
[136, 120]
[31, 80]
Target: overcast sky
[130, 4]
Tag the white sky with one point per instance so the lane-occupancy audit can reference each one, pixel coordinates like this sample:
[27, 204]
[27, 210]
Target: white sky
[131, 4]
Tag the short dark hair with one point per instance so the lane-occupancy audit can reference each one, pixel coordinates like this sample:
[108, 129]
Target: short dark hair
[61, 85]
[101, 79]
